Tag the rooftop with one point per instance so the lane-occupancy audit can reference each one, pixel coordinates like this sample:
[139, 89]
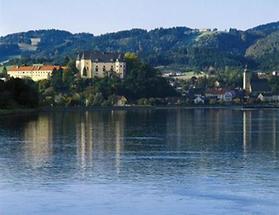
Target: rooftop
[216, 91]
[34, 68]
[101, 56]
[260, 85]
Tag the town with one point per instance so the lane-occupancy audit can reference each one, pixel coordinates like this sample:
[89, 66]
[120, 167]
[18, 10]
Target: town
[89, 69]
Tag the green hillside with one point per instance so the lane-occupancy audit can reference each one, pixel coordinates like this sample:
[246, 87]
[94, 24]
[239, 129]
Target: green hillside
[179, 46]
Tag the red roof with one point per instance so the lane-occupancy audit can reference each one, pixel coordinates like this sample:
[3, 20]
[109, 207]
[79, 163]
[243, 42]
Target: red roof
[34, 68]
[216, 91]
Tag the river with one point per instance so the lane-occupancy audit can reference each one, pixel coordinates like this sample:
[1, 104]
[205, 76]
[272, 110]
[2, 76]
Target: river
[171, 161]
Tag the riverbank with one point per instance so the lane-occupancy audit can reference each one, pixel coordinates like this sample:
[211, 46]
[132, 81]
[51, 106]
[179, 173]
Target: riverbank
[137, 107]
[4, 112]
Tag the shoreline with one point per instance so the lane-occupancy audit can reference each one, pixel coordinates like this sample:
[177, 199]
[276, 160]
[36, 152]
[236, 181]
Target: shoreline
[8, 112]
[135, 108]
[20, 111]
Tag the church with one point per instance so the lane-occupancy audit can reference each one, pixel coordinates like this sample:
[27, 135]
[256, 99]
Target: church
[253, 85]
[100, 64]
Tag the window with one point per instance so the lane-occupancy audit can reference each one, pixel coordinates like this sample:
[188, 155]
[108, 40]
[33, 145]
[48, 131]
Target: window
[84, 72]
[97, 68]
[104, 68]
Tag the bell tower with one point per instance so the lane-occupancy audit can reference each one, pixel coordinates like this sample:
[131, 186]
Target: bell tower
[247, 81]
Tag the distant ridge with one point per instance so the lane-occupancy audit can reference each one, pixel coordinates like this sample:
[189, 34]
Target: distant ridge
[267, 28]
[181, 47]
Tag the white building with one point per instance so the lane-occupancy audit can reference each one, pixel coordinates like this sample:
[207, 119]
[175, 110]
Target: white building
[35, 72]
[100, 64]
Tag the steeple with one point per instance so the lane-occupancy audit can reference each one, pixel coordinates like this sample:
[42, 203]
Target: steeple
[247, 81]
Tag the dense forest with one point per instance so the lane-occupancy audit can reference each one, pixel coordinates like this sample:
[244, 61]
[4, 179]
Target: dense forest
[180, 46]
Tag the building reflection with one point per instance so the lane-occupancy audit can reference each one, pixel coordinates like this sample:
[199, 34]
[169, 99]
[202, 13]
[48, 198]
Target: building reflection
[260, 130]
[246, 130]
[38, 138]
[201, 128]
[84, 140]
[81, 137]
[98, 134]
[274, 135]
[97, 140]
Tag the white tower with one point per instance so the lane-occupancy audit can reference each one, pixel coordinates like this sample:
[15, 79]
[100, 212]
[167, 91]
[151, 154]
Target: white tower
[247, 81]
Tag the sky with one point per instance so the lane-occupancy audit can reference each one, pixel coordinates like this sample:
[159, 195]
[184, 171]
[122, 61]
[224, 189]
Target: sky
[103, 16]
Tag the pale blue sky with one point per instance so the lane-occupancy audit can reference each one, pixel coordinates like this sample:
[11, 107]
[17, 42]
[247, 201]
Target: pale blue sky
[101, 16]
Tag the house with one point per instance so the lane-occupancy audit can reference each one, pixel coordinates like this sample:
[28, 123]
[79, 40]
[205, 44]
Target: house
[192, 93]
[268, 97]
[100, 64]
[199, 100]
[35, 72]
[265, 97]
[121, 101]
[220, 94]
[275, 98]
[229, 96]
[275, 73]
[215, 93]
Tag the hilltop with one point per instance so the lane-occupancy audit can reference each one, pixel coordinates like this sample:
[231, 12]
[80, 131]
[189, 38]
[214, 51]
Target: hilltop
[179, 46]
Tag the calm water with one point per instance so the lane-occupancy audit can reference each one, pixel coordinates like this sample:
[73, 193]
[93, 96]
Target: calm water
[140, 162]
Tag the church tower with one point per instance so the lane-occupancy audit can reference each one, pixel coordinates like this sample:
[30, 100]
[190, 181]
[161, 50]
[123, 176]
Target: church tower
[247, 81]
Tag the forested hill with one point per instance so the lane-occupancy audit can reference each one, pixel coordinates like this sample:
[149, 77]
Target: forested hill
[188, 48]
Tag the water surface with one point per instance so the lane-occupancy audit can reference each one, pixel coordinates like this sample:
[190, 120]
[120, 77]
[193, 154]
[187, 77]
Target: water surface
[140, 162]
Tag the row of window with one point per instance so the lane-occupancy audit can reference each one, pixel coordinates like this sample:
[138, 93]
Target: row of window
[34, 72]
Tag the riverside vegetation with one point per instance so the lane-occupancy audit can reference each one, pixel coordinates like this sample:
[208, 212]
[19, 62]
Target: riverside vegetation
[141, 86]
[174, 49]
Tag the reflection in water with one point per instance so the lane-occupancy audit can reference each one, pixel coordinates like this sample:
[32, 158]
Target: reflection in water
[246, 129]
[178, 157]
[274, 134]
[88, 134]
[38, 139]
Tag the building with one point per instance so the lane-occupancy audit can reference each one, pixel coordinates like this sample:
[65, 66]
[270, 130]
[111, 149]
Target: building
[35, 72]
[275, 73]
[265, 97]
[199, 100]
[253, 85]
[215, 93]
[259, 86]
[247, 81]
[100, 64]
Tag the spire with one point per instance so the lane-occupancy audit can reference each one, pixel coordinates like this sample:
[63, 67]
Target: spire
[247, 81]
[246, 68]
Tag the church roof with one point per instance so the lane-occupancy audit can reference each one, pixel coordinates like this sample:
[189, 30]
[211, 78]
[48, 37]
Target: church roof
[260, 85]
[97, 56]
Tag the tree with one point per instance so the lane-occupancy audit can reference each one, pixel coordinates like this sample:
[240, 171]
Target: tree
[143, 81]
[57, 79]
[17, 93]
[4, 72]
